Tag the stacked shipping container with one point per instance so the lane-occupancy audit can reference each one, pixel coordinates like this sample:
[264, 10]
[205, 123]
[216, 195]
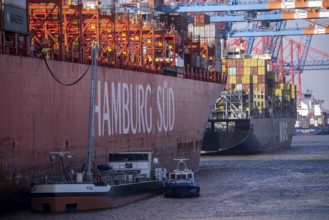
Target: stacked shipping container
[250, 76]
[201, 19]
[208, 36]
[285, 95]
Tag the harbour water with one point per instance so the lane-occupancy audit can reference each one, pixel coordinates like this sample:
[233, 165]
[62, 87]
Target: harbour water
[290, 183]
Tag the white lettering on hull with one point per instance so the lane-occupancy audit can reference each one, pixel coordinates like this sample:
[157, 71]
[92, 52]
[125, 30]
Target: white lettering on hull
[128, 108]
[166, 108]
[283, 131]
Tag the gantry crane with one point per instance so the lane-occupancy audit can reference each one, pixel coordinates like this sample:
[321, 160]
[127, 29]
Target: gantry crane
[292, 64]
[274, 15]
[129, 38]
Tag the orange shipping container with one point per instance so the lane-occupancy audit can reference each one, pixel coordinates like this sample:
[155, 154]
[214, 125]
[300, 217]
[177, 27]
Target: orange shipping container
[231, 63]
[201, 19]
[239, 63]
[261, 79]
[253, 71]
[246, 87]
[261, 86]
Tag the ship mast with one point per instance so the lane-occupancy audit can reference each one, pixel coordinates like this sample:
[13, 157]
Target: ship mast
[89, 173]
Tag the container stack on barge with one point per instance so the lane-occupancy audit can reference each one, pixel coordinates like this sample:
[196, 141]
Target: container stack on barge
[255, 113]
[152, 94]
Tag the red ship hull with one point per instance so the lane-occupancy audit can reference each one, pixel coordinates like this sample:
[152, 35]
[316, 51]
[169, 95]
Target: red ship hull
[135, 111]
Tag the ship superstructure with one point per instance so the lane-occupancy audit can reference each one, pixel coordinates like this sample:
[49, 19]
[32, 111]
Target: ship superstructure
[311, 118]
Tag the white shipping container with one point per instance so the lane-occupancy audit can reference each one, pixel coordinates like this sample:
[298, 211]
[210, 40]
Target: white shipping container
[320, 121]
[16, 3]
[238, 87]
[199, 33]
[269, 68]
[14, 19]
[232, 71]
[206, 33]
[91, 5]
[210, 30]
[317, 110]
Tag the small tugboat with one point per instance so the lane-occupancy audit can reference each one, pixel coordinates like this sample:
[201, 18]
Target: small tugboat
[127, 177]
[181, 183]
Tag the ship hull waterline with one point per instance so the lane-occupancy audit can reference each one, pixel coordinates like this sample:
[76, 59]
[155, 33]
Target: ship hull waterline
[53, 199]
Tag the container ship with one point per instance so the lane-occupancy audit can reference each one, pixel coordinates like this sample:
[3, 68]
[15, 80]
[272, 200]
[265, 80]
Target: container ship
[255, 113]
[155, 89]
[311, 117]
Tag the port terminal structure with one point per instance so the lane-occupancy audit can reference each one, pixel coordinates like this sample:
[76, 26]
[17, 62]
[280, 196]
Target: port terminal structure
[266, 11]
[267, 23]
[131, 36]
